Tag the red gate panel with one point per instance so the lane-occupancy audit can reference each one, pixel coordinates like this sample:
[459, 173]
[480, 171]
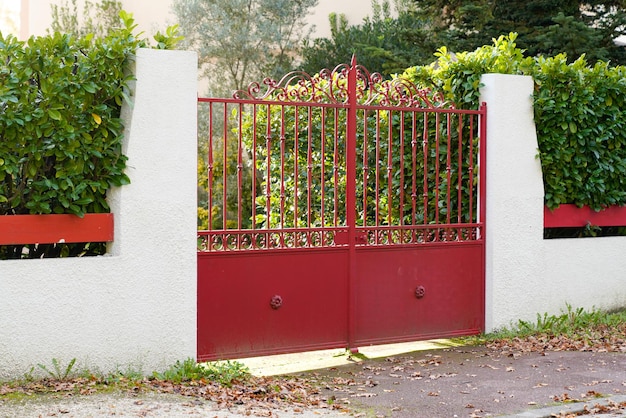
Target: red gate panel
[409, 294]
[271, 303]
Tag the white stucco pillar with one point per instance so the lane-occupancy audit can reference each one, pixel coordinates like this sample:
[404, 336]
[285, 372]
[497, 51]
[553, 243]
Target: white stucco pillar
[156, 214]
[514, 198]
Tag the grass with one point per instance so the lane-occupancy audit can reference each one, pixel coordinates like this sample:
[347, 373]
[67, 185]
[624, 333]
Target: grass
[223, 372]
[60, 378]
[568, 323]
[227, 382]
[58, 372]
[571, 323]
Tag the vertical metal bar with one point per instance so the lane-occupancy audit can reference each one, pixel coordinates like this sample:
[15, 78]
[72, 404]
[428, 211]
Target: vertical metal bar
[309, 169]
[470, 182]
[210, 168]
[254, 145]
[437, 139]
[425, 151]
[296, 179]
[482, 149]
[401, 191]
[413, 174]
[459, 175]
[323, 167]
[225, 169]
[268, 151]
[282, 172]
[365, 167]
[336, 168]
[448, 166]
[351, 200]
[377, 179]
[389, 176]
[483, 198]
[240, 172]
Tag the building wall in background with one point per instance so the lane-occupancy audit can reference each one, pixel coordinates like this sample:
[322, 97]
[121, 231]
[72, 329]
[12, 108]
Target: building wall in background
[10, 16]
[156, 15]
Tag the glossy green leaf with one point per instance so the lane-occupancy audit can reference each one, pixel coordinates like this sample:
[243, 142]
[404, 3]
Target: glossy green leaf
[54, 114]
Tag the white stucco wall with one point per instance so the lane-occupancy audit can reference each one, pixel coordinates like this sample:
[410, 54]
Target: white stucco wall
[136, 307]
[525, 274]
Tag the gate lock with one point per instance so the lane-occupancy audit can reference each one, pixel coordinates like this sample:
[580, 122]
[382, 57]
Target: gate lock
[420, 292]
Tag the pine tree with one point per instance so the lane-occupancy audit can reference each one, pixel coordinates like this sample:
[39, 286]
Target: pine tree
[545, 27]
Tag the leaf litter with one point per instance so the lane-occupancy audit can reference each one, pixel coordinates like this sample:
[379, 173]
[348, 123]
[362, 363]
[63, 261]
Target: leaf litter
[255, 395]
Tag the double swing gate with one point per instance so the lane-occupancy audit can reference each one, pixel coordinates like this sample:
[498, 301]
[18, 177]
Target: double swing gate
[340, 210]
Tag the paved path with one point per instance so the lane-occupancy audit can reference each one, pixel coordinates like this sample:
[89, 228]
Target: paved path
[474, 382]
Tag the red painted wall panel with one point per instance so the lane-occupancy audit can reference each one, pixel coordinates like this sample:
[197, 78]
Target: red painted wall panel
[50, 229]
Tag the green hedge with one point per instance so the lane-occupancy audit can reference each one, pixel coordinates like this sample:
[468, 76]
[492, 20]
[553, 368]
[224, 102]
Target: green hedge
[580, 114]
[60, 127]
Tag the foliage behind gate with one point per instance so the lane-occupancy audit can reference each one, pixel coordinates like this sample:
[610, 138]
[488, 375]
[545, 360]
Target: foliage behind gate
[579, 114]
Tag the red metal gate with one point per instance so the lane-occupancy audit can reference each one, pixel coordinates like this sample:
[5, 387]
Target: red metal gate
[342, 210]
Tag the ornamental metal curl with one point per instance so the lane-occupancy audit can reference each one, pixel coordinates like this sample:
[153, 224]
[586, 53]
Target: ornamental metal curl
[297, 86]
[398, 91]
[331, 86]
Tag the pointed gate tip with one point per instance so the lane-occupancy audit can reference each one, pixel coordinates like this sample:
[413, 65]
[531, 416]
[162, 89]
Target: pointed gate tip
[353, 60]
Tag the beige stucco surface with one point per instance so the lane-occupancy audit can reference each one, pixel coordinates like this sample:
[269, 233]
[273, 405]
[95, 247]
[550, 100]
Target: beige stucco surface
[152, 15]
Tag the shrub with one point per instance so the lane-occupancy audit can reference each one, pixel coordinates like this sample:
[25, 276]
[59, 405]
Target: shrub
[60, 126]
[579, 115]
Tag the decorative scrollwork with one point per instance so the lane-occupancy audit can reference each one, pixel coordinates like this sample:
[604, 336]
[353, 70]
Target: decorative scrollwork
[233, 240]
[418, 234]
[297, 86]
[331, 86]
[220, 241]
[400, 92]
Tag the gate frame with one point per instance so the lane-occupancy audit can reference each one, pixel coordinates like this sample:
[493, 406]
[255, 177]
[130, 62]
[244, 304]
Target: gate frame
[352, 106]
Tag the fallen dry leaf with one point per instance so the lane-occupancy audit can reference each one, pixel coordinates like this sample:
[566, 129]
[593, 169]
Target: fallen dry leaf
[364, 395]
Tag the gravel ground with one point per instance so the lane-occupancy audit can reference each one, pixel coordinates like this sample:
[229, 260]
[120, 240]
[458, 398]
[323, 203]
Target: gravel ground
[144, 405]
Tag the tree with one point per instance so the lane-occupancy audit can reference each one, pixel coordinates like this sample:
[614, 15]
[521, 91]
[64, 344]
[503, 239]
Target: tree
[98, 18]
[544, 27]
[239, 41]
[389, 42]
[382, 43]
